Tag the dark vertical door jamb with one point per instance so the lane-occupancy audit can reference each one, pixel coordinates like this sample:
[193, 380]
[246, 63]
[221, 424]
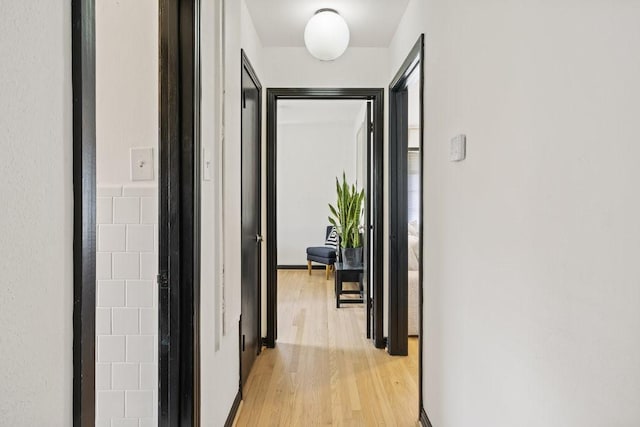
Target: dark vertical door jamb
[84, 209]
[398, 214]
[179, 227]
[398, 200]
[168, 181]
[272, 224]
[169, 213]
[368, 226]
[378, 219]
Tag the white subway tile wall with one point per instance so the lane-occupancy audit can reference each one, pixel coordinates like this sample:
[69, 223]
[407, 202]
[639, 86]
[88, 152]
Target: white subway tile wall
[126, 210]
[104, 210]
[103, 321]
[126, 265]
[111, 293]
[103, 265]
[148, 210]
[103, 376]
[111, 238]
[127, 309]
[125, 422]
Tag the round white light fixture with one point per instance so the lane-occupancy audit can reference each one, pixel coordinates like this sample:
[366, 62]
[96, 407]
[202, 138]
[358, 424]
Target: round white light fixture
[326, 35]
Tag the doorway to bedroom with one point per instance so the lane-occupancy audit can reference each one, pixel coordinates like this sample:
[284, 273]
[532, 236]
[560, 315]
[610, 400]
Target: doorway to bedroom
[406, 156]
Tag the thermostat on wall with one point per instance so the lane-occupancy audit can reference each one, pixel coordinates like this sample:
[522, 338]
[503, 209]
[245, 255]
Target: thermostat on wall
[458, 148]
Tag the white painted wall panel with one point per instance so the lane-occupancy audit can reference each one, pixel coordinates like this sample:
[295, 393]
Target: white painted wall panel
[127, 92]
[295, 67]
[36, 218]
[310, 157]
[220, 368]
[531, 286]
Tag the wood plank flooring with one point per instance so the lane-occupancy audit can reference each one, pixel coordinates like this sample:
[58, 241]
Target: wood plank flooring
[323, 370]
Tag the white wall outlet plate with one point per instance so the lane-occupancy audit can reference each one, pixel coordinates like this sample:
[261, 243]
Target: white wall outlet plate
[142, 164]
[458, 148]
[207, 165]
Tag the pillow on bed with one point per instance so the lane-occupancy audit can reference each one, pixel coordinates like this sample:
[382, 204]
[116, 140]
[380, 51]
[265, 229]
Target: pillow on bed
[413, 252]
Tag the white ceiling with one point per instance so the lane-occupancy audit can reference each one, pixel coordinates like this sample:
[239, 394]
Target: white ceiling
[281, 22]
[318, 111]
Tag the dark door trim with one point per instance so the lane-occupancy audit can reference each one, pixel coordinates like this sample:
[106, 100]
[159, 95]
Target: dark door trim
[273, 95]
[179, 215]
[246, 65]
[398, 227]
[83, 66]
[398, 303]
[398, 127]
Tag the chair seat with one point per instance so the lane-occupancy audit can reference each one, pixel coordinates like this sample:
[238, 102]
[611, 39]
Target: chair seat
[322, 251]
[322, 254]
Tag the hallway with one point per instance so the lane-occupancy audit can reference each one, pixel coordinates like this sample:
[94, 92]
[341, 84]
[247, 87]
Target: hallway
[323, 370]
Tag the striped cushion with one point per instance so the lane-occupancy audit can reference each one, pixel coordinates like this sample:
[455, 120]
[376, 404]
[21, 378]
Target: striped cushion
[332, 238]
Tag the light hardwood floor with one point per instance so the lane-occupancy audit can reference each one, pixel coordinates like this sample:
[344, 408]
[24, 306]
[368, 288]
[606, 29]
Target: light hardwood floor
[323, 370]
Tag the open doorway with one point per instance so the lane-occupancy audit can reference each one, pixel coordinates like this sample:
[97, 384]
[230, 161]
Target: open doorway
[321, 144]
[135, 201]
[406, 160]
[371, 271]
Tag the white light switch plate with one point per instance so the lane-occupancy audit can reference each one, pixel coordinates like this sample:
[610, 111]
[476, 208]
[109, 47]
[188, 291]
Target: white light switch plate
[458, 148]
[207, 166]
[142, 164]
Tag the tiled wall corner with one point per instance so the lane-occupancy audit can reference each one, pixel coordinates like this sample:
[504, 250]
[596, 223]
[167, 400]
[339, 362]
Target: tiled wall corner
[127, 309]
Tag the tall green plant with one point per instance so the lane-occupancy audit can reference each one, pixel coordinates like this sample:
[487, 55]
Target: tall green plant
[346, 215]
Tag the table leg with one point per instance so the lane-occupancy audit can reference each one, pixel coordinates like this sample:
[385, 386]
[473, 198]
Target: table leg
[338, 283]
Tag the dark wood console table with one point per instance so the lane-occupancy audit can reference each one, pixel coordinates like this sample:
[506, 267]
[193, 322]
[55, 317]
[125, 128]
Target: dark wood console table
[348, 274]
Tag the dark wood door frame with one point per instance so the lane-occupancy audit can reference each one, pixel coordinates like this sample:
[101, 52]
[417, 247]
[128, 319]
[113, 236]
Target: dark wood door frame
[273, 95]
[83, 70]
[246, 66]
[179, 268]
[179, 212]
[398, 226]
[398, 126]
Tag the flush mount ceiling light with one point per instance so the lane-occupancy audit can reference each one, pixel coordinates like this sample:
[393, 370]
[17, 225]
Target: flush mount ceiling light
[326, 35]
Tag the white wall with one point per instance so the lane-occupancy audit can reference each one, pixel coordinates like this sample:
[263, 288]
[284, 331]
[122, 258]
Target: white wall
[360, 136]
[310, 157]
[126, 85]
[531, 286]
[219, 360]
[36, 223]
[295, 67]
[126, 117]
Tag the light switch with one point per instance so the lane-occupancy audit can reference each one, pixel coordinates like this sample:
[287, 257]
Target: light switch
[206, 164]
[458, 148]
[142, 164]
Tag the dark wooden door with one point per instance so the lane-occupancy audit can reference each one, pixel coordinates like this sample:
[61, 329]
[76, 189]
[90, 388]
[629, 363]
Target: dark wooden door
[250, 340]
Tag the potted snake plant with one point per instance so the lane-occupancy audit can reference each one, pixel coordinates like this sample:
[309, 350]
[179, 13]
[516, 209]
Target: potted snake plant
[346, 217]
